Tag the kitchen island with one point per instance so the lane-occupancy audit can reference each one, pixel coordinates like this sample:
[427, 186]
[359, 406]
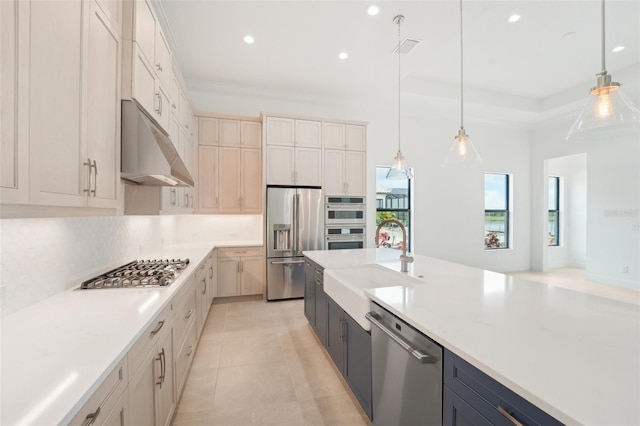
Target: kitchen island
[574, 355]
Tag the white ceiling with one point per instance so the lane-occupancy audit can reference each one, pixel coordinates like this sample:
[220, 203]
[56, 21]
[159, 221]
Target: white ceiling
[297, 44]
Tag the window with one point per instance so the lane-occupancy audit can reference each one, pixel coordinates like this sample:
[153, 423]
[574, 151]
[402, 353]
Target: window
[554, 211]
[393, 201]
[496, 211]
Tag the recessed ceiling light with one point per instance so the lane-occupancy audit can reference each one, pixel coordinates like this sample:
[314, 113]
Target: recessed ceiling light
[343, 55]
[248, 39]
[618, 49]
[373, 10]
[514, 18]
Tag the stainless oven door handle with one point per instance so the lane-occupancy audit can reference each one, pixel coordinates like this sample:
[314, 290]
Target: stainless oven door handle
[422, 357]
[345, 238]
[287, 263]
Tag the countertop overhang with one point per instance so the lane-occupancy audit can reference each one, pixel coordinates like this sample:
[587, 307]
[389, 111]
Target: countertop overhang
[574, 355]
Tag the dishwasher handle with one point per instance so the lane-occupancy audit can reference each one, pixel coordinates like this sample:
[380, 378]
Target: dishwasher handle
[422, 357]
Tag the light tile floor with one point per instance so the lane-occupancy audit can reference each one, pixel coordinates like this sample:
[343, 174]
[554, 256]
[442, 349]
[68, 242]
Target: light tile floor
[573, 279]
[259, 363]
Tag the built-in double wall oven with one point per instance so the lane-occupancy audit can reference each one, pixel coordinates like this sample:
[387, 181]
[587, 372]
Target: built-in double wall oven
[344, 223]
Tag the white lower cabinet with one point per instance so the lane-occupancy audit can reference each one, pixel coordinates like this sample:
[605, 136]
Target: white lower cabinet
[240, 271]
[110, 397]
[151, 393]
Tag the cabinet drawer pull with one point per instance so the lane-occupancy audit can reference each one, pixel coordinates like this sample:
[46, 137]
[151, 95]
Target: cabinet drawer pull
[509, 415]
[188, 315]
[157, 329]
[94, 165]
[91, 418]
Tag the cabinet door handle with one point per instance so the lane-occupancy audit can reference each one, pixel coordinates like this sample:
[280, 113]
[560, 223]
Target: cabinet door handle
[159, 67]
[157, 329]
[186, 199]
[161, 359]
[172, 196]
[94, 166]
[188, 314]
[173, 105]
[210, 272]
[91, 418]
[190, 350]
[88, 164]
[509, 415]
[158, 98]
[204, 286]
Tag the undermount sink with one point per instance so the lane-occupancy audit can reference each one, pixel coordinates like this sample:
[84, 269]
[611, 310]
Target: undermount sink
[346, 287]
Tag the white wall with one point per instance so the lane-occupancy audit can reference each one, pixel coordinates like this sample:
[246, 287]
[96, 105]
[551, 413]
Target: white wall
[42, 257]
[571, 252]
[449, 204]
[613, 198]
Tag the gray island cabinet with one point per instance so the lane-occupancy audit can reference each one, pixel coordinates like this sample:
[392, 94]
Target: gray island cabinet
[470, 397]
[348, 344]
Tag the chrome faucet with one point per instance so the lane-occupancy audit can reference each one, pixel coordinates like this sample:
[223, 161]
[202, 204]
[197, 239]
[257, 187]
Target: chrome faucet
[404, 259]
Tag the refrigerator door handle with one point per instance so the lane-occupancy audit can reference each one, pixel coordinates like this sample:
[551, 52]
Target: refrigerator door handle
[295, 223]
[297, 236]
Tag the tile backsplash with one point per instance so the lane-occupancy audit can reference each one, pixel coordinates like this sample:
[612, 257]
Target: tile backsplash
[42, 257]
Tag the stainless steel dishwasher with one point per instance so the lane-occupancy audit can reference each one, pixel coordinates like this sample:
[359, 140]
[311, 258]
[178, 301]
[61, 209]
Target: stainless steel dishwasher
[406, 373]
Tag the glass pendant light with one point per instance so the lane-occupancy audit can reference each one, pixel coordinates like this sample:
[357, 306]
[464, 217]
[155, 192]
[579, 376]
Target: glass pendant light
[399, 169]
[607, 105]
[462, 152]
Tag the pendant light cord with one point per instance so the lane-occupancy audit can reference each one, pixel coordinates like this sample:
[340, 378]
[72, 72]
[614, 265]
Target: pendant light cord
[604, 68]
[399, 41]
[462, 72]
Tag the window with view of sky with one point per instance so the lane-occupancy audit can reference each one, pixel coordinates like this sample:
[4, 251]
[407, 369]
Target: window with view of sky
[496, 211]
[393, 201]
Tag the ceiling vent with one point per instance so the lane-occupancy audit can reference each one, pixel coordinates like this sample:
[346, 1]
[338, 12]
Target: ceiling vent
[407, 45]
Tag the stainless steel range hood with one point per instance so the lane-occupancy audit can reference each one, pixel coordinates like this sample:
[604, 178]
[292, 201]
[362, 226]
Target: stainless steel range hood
[148, 155]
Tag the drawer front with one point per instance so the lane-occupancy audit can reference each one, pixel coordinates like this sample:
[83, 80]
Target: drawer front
[104, 399]
[186, 311]
[184, 357]
[490, 398]
[240, 251]
[145, 342]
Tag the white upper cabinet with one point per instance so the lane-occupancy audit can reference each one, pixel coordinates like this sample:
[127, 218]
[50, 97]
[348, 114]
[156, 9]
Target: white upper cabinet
[229, 132]
[308, 133]
[14, 160]
[229, 165]
[344, 136]
[280, 131]
[294, 154]
[251, 134]
[66, 103]
[344, 159]
[208, 131]
[355, 137]
[334, 136]
[103, 109]
[162, 61]
[148, 71]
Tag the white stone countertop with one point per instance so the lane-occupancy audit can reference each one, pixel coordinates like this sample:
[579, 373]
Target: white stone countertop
[56, 352]
[574, 355]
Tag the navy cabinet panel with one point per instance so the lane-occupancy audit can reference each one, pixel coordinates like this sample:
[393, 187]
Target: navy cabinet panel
[335, 334]
[322, 314]
[357, 366]
[309, 298]
[457, 412]
[486, 395]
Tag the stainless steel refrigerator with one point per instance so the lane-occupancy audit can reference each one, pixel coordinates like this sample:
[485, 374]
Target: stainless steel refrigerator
[295, 223]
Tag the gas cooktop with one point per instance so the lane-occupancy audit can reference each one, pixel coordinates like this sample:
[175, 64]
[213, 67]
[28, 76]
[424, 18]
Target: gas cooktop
[139, 273]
